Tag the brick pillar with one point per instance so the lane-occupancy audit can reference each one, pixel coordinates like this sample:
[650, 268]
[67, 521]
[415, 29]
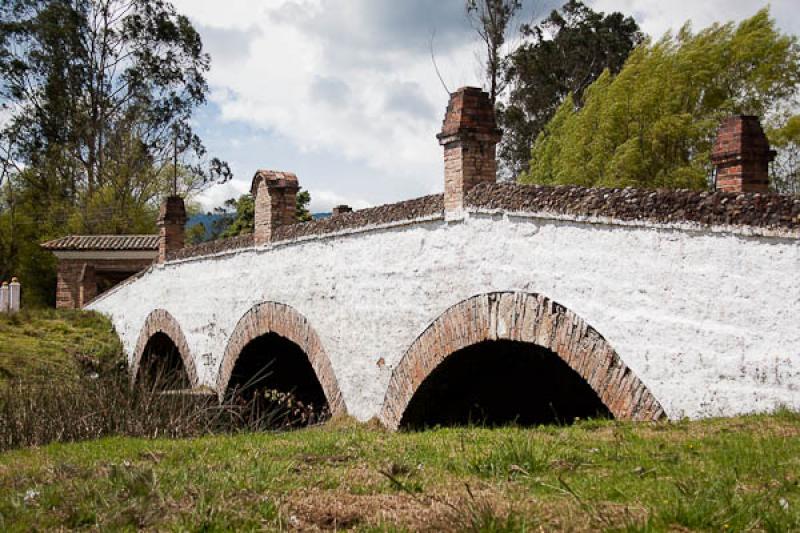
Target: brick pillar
[469, 136]
[88, 285]
[68, 284]
[275, 197]
[340, 209]
[171, 227]
[742, 155]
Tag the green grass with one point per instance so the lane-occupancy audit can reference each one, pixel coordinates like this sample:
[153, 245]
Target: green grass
[718, 475]
[737, 474]
[45, 343]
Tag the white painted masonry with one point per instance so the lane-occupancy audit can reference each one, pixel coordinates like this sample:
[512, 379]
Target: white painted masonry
[709, 319]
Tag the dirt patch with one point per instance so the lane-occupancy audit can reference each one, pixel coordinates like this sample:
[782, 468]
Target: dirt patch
[317, 510]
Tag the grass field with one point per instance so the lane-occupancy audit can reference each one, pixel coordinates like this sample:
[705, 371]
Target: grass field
[737, 474]
[47, 344]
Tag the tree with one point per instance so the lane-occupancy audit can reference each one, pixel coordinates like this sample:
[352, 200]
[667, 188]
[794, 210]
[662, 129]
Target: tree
[785, 176]
[490, 19]
[196, 234]
[238, 217]
[302, 202]
[102, 93]
[654, 123]
[562, 55]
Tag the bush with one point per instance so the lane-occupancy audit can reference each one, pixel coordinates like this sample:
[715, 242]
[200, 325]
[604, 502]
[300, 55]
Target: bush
[35, 413]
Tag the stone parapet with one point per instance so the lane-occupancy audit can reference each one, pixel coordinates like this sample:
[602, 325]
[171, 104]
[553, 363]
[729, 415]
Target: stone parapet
[764, 211]
[718, 208]
[408, 210]
[214, 247]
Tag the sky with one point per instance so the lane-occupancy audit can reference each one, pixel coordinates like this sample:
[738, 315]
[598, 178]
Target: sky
[345, 94]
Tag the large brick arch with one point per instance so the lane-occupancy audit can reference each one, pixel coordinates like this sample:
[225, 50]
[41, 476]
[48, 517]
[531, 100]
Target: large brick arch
[160, 321]
[521, 317]
[285, 321]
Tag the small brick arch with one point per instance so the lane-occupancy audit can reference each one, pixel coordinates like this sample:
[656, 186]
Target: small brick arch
[160, 321]
[524, 317]
[286, 322]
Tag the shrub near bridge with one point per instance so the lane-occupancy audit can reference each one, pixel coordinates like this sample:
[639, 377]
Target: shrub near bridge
[68, 381]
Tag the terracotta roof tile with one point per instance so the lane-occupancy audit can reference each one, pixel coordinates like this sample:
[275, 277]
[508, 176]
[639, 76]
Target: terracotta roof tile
[103, 243]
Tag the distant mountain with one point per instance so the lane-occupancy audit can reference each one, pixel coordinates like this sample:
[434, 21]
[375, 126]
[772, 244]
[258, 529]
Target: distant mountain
[208, 220]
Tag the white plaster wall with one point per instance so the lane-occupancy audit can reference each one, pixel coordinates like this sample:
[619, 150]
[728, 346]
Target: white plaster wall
[708, 320]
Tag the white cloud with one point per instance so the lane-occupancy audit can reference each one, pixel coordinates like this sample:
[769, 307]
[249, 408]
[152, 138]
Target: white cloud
[337, 78]
[656, 17]
[344, 93]
[324, 201]
[217, 195]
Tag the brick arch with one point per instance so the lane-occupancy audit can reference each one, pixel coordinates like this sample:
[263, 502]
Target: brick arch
[524, 317]
[286, 322]
[160, 321]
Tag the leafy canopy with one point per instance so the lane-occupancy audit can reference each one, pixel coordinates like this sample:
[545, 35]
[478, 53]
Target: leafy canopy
[786, 168]
[100, 95]
[654, 123]
[561, 55]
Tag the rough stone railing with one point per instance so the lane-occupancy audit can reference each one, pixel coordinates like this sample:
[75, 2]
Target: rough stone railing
[767, 211]
[770, 211]
[414, 209]
[213, 247]
[10, 296]
[408, 210]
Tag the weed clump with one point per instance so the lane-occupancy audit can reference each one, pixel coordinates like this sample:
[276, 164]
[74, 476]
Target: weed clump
[36, 413]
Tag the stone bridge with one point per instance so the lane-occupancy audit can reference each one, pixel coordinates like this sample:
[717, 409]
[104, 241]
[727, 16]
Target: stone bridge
[505, 301]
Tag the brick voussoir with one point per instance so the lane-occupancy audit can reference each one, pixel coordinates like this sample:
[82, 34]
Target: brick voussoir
[528, 317]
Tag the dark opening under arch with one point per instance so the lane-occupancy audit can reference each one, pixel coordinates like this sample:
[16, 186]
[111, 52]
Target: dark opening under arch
[161, 365]
[501, 382]
[275, 342]
[272, 372]
[161, 336]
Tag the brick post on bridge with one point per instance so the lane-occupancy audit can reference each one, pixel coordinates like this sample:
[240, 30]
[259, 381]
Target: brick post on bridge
[275, 197]
[742, 155]
[469, 136]
[171, 227]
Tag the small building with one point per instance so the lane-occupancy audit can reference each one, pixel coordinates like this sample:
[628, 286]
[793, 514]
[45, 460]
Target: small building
[89, 265]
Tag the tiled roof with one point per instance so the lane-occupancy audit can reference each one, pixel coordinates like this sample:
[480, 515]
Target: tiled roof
[103, 243]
